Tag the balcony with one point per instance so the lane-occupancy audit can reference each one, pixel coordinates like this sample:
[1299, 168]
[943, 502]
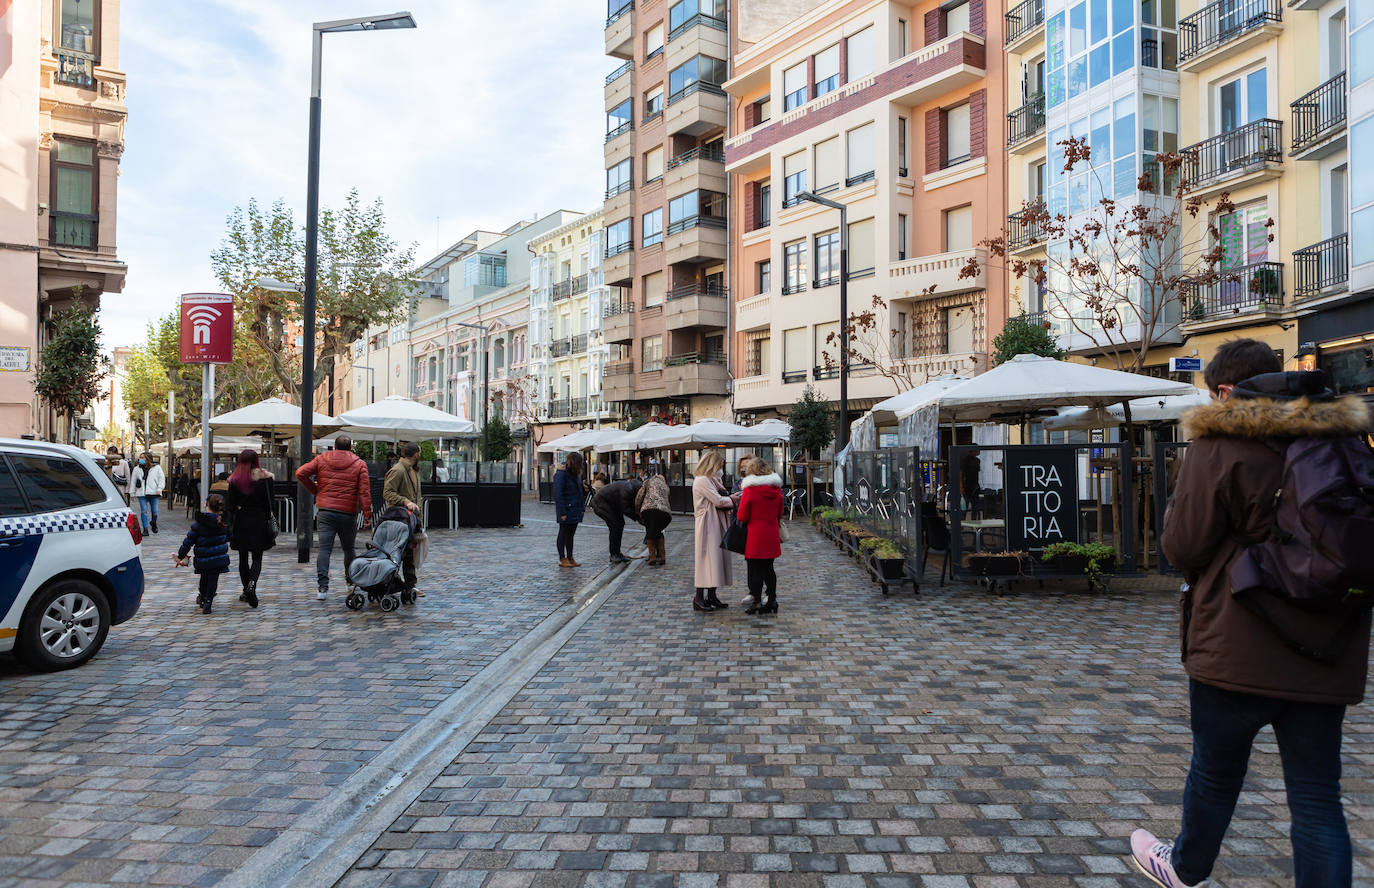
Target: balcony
[1024, 21]
[1223, 29]
[73, 230]
[1025, 123]
[697, 109]
[694, 373]
[701, 18]
[621, 87]
[1319, 120]
[618, 382]
[568, 345]
[618, 323]
[569, 287]
[1238, 295]
[75, 68]
[699, 169]
[1321, 269]
[1025, 228]
[696, 305]
[619, 72]
[695, 239]
[569, 408]
[754, 313]
[1244, 155]
[620, 30]
[618, 265]
[941, 274]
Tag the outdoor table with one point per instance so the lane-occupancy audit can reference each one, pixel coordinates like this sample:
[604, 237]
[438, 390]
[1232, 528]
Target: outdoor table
[978, 525]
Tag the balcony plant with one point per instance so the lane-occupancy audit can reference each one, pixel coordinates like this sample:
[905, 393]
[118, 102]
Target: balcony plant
[1265, 284]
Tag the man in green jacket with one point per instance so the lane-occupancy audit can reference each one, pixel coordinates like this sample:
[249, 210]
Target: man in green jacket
[402, 488]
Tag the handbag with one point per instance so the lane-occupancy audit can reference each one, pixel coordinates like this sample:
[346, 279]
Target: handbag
[783, 534]
[735, 536]
[273, 526]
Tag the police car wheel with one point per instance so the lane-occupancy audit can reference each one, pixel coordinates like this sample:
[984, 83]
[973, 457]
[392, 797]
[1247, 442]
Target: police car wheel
[64, 625]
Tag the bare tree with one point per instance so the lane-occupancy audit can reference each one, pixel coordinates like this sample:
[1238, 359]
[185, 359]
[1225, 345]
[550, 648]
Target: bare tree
[875, 346]
[519, 395]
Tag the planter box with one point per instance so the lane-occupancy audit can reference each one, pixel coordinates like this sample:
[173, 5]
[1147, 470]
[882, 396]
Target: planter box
[994, 565]
[890, 568]
[1070, 564]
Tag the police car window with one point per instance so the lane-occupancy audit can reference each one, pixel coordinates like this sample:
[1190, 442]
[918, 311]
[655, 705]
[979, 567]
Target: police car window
[55, 482]
[11, 502]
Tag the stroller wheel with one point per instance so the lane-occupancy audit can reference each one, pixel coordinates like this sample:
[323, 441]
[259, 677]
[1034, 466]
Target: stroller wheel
[389, 603]
[408, 597]
[354, 601]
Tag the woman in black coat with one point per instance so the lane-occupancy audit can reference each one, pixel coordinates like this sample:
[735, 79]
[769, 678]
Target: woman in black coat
[568, 501]
[248, 506]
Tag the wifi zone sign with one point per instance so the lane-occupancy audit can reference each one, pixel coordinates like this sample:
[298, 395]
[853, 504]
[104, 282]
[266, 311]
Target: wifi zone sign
[207, 328]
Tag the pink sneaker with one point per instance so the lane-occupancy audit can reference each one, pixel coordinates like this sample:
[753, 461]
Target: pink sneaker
[1151, 857]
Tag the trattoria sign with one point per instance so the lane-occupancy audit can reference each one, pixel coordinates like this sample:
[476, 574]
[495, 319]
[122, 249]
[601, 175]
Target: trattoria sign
[1042, 497]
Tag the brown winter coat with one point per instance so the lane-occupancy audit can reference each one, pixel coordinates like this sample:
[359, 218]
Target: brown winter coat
[1223, 500]
[653, 496]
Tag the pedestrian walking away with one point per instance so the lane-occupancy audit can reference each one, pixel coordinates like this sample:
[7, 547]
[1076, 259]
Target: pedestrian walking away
[654, 513]
[208, 540]
[1284, 657]
[252, 526]
[711, 509]
[401, 488]
[146, 484]
[338, 481]
[612, 503]
[120, 470]
[568, 506]
[760, 511]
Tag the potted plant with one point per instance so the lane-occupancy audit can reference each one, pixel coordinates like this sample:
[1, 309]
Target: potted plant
[1067, 558]
[995, 564]
[888, 559]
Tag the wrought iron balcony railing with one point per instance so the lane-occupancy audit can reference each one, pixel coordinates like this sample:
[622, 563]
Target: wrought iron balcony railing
[1248, 289]
[1319, 114]
[1241, 149]
[685, 291]
[1321, 267]
[1024, 228]
[1027, 121]
[1221, 22]
[714, 151]
[1024, 18]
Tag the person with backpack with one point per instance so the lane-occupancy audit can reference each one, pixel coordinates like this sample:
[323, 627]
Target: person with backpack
[1270, 524]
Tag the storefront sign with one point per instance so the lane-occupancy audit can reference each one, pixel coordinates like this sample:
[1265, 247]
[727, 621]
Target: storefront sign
[1185, 365]
[1042, 497]
[14, 358]
[207, 328]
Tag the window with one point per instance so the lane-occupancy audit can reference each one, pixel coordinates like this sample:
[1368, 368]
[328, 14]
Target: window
[828, 165]
[899, 336]
[956, 19]
[653, 165]
[653, 228]
[763, 110]
[692, 12]
[74, 194]
[827, 259]
[901, 38]
[861, 254]
[653, 41]
[859, 54]
[484, 270]
[11, 501]
[794, 87]
[618, 120]
[78, 42]
[958, 229]
[619, 179]
[696, 208]
[862, 154]
[903, 169]
[959, 330]
[651, 353]
[794, 171]
[794, 267]
[756, 353]
[55, 482]
[1244, 236]
[653, 289]
[827, 71]
[653, 103]
[826, 348]
[765, 276]
[765, 207]
[690, 75]
[795, 354]
[1241, 101]
[956, 132]
[618, 237]
[902, 235]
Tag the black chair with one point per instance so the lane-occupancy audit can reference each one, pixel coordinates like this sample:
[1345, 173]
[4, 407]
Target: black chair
[935, 538]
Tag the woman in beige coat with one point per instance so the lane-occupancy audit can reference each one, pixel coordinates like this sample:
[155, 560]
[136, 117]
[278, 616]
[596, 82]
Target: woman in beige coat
[711, 508]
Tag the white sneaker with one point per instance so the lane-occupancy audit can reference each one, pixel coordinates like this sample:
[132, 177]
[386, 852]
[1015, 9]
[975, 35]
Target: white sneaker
[322, 596]
[1151, 856]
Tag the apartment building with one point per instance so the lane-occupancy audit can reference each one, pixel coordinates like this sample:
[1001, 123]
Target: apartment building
[62, 101]
[895, 111]
[665, 244]
[378, 364]
[568, 351]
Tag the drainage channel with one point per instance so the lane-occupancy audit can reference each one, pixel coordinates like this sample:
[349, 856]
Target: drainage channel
[321, 846]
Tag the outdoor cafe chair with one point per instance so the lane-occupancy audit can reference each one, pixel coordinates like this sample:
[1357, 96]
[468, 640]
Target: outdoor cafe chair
[936, 538]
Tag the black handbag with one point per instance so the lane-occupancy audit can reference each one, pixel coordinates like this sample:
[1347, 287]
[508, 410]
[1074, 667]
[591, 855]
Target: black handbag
[735, 536]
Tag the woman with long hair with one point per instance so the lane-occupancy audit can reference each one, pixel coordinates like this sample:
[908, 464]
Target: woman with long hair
[760, 511]
[248, 508]
[569, 503]
[711, 511]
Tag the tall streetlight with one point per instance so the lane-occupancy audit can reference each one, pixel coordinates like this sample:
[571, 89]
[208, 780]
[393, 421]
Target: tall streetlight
[312, 236]
[844, 310]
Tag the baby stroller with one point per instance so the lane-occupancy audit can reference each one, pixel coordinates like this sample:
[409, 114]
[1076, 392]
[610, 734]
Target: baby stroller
[378, 571]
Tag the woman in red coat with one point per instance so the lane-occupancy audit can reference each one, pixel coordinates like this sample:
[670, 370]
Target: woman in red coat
[760, 510]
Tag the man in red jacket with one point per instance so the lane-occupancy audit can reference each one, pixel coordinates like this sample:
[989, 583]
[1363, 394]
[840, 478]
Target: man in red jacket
[338, 481]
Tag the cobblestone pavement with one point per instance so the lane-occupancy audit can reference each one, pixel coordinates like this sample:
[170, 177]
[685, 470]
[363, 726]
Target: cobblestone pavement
[949, 740]
[190, 740]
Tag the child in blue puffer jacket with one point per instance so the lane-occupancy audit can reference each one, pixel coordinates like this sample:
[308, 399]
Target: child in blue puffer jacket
[209, 536]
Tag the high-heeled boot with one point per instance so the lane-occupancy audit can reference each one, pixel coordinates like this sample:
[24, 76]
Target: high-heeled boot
[714, 601]
[699, 602]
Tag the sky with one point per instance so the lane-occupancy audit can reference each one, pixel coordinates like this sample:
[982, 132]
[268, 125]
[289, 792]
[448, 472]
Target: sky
[489, 112]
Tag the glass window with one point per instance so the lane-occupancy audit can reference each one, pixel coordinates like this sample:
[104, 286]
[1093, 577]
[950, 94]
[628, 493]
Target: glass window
[827, 258]
[862, 153]
[765, 107]
[1123, 15]
[794, 87]
[903, 236]
[795, 353]
[901, 146]
[1054, 40]
[1362, 236]
[861, 247]
[1101, 139]
[653, 41]
[794, 267]
[1097, 22]
[1078, 29]
[1078, 193]
[827, 344]
[1055, 88]
[618, 237]
[651, 353]
[765, 207]
[1100, 65]
[828, 164]
[765, 276]
[859, 54]
[956, 19]
[1362, 175]
[619, 178]
[653, 228]
[653, 289]
[74, 194]
[794, 171]
[1123, 140]
[1123, 53]
[958, 229]
[618, 118]
[1124, 178]
[11, 502]
[484, 270]
[653, 102]
[653, 164]
[827, 70]
[1078, 77]
[78, 25]
[1361, 12]
[56, 482]
[957, 142]
[702, 69]
[901, 38]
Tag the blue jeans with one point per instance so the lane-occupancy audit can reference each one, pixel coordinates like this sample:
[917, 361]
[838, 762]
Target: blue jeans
[147, 505]
[1309, 736]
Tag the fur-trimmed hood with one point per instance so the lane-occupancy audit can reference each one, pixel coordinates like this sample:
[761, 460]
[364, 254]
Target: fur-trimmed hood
[1269, 418]
[754, 480]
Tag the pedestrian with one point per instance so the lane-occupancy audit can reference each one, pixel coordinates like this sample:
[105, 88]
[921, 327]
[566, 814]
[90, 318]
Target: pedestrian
[741, 472]
[338, 480]
[711, 511]
[248, 506]
[760, 511]
[401, 489]
[1253, 663]
[568, 506]
[145, 485]
[209, 538]
[612, 503]
[119, 471]
[655, 514]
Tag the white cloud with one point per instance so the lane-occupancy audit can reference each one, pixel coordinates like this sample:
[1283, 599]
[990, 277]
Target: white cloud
[487, 113]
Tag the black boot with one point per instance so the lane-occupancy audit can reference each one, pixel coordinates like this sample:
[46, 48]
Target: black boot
[770, 605]
[250, 594]
[754, 605]
[699, 602]
[715, 602]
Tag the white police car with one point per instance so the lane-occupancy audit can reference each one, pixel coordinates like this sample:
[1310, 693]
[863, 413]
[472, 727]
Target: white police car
[69, 554]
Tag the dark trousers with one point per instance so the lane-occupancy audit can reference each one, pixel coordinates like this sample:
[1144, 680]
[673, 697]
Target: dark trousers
[617, 529]
[209, 583]
[408, 568]
[250, 566]
[331, 523]
[566, 531]
[762, 576]
[1309, 737]
[654, 522]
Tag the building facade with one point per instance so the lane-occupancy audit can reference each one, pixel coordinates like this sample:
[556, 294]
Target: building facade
[664, 218]
[568, 348]
[896, 111]
[62, 101]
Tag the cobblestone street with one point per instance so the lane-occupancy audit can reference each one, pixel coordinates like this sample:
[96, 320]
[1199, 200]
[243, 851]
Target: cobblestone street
[955, 738]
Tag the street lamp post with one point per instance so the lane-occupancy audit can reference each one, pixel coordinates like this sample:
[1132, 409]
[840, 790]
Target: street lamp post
[372, 384]
[312, 237]
[844, 310]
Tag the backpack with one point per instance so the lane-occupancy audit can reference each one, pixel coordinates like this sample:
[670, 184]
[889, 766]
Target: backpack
[1317, 558]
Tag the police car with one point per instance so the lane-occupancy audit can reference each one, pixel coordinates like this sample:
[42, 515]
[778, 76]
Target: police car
[69, 554]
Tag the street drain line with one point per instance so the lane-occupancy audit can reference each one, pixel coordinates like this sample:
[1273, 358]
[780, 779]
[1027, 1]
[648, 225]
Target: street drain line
[321, 846]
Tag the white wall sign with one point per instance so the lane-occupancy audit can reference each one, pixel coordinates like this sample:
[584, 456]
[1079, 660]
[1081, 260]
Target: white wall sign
[14, 358]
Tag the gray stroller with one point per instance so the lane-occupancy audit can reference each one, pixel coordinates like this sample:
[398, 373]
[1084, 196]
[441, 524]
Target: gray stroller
[378, 571]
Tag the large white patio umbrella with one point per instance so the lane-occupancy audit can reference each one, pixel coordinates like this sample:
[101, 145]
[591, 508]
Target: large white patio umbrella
[908, 402]
[397, 417]
[224, 445]
[273, 417]
[650, 436]
[585, 439]
[707, 432]
[1169, 408]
